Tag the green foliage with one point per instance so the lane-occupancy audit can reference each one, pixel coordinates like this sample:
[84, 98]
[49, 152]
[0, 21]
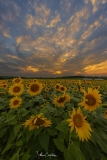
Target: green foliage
[59, 142]
[44, 138]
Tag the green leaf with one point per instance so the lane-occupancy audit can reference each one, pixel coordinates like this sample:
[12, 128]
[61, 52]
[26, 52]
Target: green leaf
[19, 143]
[99, 110]
[15, 156]
[101, 121]
[85, 150]
[68, 155]
[28, 135]
[2, 132]
[75, 149]
[44, 138]
[59, 142]
[10, 118]
[52, 132]
[17, 128]
[28, 104]
[101, 142]
[11, 137]
[93, 138]
[25, 156]
[101, 133]
[103, 158]
[23, 112]
[37, 131]
[63, 127]
[93, 149]
[8, 146]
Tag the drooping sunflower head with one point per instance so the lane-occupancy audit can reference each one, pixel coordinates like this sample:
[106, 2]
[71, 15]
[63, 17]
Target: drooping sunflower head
[15, 102]
[91, 99]
[34, 88]
[16, 89]
[37, 121]
[61, 100]
[77, 121]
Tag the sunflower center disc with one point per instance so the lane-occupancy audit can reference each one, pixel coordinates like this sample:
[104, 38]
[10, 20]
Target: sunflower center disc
[17, 80]
[91, 100]
[16, 89]
[77, 120]
[61, 99]
[62, 88]
[15, 102]
[34, 87]
[39, 122]
[57, 86]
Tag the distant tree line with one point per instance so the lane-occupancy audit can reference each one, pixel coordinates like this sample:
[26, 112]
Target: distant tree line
[67, 77]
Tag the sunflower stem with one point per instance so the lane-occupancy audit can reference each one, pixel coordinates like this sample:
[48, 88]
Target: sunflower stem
[18, 115]
[69, 145]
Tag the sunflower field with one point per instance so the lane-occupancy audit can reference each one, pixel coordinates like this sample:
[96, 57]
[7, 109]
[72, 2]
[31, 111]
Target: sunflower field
[57, 119]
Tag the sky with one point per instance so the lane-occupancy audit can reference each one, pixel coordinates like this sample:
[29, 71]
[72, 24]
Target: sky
[53, 38]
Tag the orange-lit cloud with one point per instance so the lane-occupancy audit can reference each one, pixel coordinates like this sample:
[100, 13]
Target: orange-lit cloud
[31, 68]
[95, 69]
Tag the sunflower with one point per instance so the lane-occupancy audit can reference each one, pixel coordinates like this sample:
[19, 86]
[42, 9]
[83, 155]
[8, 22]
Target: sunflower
[15, 102]
[62, 89]
[105, 114]
[79, 82]
[82, 89]
[91, 100]
[46, 89]
[27, 85]
[17, 80]
[61, 100]
[34, 88]
[16, 89]
[97, 87]
[37, 121]
[76, 89]
[77, 121]
[4, 86]
[47, 103]
[57, 86]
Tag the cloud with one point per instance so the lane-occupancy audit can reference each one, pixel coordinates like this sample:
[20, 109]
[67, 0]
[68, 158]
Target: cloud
[66, 5]
[54, 21]
[6, 34]
[96, 69]
[97, 4]
[40, 18]
[31, 68]
[9, 10]
[86, 1]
